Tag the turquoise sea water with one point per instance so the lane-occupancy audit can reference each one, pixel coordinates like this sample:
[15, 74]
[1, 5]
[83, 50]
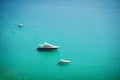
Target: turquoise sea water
[87, 33]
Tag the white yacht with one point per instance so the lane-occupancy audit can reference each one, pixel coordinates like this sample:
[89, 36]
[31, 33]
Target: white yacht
[47, 46]
[63, 61]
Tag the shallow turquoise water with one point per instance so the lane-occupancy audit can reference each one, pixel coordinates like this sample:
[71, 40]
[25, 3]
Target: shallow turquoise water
[88, 36]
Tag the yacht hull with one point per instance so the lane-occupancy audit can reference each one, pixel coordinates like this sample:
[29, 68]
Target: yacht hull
[46, 49]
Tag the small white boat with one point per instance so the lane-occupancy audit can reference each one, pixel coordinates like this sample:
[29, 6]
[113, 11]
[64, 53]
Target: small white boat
[20, 25]
[63, 61]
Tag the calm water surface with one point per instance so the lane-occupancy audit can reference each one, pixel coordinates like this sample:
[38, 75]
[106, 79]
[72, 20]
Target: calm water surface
[88, 35]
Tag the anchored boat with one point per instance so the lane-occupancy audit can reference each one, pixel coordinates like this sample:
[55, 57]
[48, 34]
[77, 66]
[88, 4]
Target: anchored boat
[63, 61]
[20, 25]
[46, 47]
